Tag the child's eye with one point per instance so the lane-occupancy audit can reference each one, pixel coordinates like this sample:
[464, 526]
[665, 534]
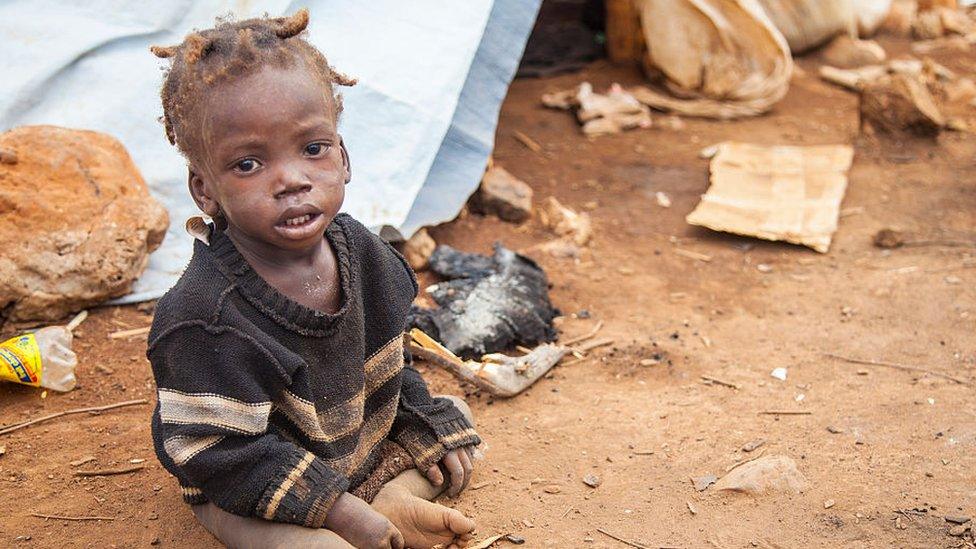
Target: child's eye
[247, 165]
[316, 149]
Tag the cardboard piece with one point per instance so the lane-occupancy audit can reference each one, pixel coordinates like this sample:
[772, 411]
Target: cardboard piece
[783, 193]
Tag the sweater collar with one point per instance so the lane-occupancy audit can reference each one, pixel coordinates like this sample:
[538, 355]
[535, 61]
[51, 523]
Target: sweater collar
[283, 310]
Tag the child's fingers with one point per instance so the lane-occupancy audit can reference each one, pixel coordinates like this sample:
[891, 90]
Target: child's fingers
[467, 466]
[435, 476]
[453, 465]
[397, 540]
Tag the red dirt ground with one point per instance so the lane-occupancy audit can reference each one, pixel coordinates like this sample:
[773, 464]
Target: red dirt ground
[903, 441]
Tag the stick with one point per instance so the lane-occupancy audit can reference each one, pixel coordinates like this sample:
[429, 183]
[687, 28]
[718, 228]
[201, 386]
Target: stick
[896, 366]
[594, 344]
[78, 319]
[632, 543]
[785, 413]
[585, 336]
[109, 472]
[21, 425]
[129, 333]
[527, 141]
[693, 255]
[60, 517]
[718, 381]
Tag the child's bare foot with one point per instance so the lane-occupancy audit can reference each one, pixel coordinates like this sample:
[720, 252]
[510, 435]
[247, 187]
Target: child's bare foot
[423, 524]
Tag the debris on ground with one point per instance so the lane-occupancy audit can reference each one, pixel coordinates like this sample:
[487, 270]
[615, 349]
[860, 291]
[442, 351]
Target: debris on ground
[418, 249]
[662, 199]
[845, 52]
[42, 358]
[766, 474]
[566, 222]
[939, 20]
[75, 230]
[713, 68]
[779, 373]
[499, 374]
[600, 114]
[702, 483]
[503, 195]
[901, 103]
[776, 192]
[750, 446]
[486, 304]
[890, 239]
[591, 480]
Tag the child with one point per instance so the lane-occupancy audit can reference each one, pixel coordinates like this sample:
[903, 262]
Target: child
[278, 356]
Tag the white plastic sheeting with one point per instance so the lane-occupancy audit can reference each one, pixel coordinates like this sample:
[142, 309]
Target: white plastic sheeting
[419, 125]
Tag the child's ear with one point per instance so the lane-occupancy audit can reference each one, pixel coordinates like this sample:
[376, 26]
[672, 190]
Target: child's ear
[201, 195]
[345, 160]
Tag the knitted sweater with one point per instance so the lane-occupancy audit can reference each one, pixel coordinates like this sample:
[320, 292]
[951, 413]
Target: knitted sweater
[270, 409]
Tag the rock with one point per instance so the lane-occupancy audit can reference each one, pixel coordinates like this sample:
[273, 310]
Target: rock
[565, 222]
[845, 52]
[959, 530]
[503, 195]
[592, 480]
[77, 222]
[418, 249]
[766, 474]
[889, 239]
[751, 446]
[901, 103]
[702, 483]
[956, 519]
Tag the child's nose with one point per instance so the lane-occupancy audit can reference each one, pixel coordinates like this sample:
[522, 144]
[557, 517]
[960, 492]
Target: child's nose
[292, 180]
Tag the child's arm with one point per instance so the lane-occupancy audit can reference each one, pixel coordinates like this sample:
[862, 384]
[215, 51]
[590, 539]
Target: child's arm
[211, 428]
[432, 429]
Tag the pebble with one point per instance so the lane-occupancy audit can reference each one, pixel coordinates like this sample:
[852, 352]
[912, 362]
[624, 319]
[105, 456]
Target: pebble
[829, 503]
[514, 540]
[834, 430]
[592, 480]
[959, 530]
[750, 446]
[957, 519]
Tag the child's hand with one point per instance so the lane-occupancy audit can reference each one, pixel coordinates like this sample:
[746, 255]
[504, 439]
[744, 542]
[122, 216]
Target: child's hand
[357, 523]
[458, 464]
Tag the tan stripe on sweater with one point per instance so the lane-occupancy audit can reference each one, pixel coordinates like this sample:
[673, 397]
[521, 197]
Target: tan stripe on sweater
[180, 408]
[295, 474]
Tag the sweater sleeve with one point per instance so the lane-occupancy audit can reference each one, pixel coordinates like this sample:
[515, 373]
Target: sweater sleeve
[428, 427]
[216, 388]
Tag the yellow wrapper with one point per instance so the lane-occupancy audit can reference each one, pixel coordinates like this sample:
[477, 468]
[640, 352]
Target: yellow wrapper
[20, 360]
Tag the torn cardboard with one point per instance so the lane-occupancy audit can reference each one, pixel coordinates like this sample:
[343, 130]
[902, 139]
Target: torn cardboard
[783, 193]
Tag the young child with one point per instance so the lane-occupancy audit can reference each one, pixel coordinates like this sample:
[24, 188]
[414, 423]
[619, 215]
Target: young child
[286, 411]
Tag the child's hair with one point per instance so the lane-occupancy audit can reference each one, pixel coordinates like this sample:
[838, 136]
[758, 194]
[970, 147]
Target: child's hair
[232, 49]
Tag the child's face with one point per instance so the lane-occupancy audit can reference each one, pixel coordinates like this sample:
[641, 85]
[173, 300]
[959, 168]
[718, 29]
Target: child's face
[271, 161]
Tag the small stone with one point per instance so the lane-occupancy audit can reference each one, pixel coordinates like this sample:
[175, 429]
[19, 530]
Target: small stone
[514, 540]
[750, 446]
[766, 474]
[901, 103]
[779, 373]
[845, 52]
[552, 489]
[663, 200]
[952, 279]
[955, 519]
[828, 504]
[153, 516]
[764, 268]
[418, 249]
[702, 483]
[3, 450]
[503, 195]
[959, 530]
[691, 508]
[592, 480]
[8, 156]
[155, 541]
[834, 430]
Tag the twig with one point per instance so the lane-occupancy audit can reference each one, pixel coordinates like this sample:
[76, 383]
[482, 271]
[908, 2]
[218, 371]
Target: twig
[78, 319]
[129, 333]
[784, 413]
[594, 344]
[744, 461]
[895, 365]
[632, 543]
[61, 517]
[717, 381]
[21, 425]
[693, 255]
[532, 144]
[584, 337]
[109, 472]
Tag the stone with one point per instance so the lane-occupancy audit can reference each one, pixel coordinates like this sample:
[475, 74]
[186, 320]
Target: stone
[418, 249]
[845, 52]
[901, 103]
[503, 195]
[566, 222]
[77, 223]
[766, 474]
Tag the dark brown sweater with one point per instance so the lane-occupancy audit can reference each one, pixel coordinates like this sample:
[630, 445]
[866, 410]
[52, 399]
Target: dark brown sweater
[268, 408]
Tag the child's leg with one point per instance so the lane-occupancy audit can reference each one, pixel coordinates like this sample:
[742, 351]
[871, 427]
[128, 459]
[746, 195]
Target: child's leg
[246, 533]
[406, 501]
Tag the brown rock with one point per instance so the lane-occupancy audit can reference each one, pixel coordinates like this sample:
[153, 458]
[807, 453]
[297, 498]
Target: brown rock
[566, 222]
[418, 249]
[503, 195]
[77, 223]
[901, 103]
[850, 53]
[766, 474]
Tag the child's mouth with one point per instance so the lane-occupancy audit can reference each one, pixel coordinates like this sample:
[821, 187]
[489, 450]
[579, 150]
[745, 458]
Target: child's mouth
[300, 227]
